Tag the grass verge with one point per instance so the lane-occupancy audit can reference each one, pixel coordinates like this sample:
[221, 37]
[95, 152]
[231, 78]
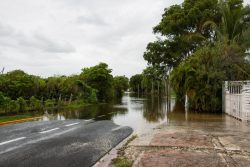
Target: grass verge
[121, 160]
[15, 117]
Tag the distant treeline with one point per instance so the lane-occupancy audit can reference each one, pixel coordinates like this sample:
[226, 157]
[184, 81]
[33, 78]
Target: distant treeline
[21, 92]
[150, 81]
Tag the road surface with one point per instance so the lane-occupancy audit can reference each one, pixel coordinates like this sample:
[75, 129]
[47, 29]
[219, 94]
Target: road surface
[73, 143]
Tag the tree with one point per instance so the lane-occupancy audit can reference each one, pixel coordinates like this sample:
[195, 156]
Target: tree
[35, 104]
[135, 83]
[120, 85]
[94, 84]
[203, 56]
[99, 77]
[180, 30]
[22, 104]
[234, 24]
[17, 83]
[200, 77]
[53, 87]
[1, 99]
[153, 78]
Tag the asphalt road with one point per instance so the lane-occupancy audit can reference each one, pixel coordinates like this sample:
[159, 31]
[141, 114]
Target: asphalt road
[70, 143]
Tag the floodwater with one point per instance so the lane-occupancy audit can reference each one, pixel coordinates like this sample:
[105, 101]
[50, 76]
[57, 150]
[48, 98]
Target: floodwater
[141, 113]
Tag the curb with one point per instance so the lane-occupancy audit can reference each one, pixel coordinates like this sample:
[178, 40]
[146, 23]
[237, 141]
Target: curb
[18, 121]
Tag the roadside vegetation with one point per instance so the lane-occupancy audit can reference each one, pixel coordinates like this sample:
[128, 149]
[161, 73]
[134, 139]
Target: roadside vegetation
[200, 44]
[21, 92]
[121, 160]
[16, 117]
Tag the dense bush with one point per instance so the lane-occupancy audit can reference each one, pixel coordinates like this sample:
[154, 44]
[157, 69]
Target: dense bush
[99, 78]
[20, 92]
[201, 76]
[205, 43]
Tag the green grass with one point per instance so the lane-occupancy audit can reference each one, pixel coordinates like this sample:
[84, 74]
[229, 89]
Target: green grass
[15, 117]
[30, 113]
[122, 162]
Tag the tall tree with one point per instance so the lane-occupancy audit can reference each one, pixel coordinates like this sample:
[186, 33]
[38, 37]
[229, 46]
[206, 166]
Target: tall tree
[177, 24]
[99, 77]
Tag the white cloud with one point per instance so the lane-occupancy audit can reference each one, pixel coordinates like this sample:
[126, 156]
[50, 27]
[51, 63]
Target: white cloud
[47, 37]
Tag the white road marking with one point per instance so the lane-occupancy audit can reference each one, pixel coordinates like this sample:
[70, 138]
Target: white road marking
[72, 124]
[115, 129]
[6, 142]
[47, 131]
[101, 116]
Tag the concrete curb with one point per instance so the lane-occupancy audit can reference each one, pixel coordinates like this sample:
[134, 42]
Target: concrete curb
[18, 121]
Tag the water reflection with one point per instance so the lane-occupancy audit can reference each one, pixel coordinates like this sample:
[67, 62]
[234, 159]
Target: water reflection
[140, 113]
[178, 113]
[154, 109]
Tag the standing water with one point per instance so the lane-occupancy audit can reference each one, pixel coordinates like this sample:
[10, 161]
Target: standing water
[141, 113]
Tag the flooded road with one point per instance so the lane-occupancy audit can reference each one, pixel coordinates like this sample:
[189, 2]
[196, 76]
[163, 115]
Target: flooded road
[81, 137]
[141, 113]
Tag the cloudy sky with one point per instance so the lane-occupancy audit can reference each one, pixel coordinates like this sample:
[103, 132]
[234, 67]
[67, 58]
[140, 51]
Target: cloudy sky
[47, 37]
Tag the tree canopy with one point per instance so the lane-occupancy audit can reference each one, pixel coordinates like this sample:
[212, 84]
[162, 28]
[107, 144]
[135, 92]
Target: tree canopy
[20, 91]
[203, 42]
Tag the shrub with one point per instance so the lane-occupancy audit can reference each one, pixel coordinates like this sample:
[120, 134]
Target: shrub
[35, 104]
[22, 104]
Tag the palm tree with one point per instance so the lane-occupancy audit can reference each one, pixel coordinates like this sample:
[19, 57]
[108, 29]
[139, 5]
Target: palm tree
[235, 23]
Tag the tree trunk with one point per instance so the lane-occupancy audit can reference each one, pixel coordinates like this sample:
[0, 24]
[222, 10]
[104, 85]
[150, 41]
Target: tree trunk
[70, 99]
[152, 89]
[138, 89]
[158, 91]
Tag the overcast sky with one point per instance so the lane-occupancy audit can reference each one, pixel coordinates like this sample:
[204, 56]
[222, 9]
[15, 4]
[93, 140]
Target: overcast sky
[47, 37]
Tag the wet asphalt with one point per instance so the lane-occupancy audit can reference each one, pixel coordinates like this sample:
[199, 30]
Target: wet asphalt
[69, 143]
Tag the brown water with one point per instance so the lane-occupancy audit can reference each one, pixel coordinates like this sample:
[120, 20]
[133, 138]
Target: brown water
[140, 113]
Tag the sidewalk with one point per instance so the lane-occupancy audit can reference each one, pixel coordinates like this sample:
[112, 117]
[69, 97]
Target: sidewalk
[193, 144]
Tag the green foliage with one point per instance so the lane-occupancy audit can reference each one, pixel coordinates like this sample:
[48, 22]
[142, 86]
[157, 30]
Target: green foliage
[50, 103]
[153, 77]
[204, 41]
[8, 105]
[120, 85]
[35, 104]
[182, 32]
[17, 83]
[135, 83]
[234, 24]
[93, 97]
[202, 75]
[14, 106]
[99, 77]
[95, 84]
[22, 104]
[53, 87]
[1, 99]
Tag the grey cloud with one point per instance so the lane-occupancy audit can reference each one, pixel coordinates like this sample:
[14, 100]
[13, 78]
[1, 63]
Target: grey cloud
[100, 30]
[5, 30]
[10, 38]
[48, 45]
[91, 20]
